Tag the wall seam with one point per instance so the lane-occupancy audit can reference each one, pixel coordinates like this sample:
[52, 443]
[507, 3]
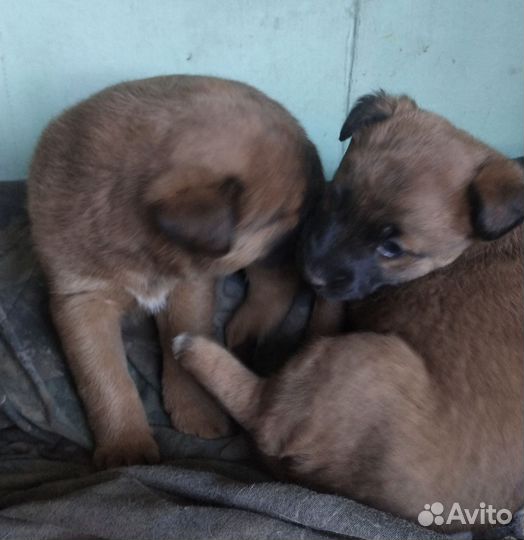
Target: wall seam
[350, 57]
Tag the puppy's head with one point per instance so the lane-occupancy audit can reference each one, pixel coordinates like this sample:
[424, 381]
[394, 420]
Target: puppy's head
[234, 188]
[411, 194]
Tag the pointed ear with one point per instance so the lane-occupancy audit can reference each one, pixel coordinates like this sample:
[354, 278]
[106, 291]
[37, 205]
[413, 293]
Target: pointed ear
[373, 108]
[202, 219]
[496, 197]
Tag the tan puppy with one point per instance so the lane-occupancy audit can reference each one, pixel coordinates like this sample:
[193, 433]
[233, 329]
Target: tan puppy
[141, 196]
[423, 403]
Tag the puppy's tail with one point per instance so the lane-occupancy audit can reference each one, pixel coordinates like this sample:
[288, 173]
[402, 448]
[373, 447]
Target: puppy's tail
[234, 386]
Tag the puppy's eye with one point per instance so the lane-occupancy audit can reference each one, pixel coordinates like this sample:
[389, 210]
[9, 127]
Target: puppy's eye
[390, 249]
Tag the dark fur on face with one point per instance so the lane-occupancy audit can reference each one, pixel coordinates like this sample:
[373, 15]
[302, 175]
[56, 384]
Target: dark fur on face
[411, 194]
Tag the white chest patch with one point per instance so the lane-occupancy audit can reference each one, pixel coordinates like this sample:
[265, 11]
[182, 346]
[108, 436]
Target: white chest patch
[152, 303]
[151, 295]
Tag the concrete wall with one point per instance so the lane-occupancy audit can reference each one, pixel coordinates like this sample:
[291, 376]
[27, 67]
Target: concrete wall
[461, 58]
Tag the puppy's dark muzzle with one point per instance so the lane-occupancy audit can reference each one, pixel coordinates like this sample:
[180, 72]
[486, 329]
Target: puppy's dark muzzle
[349, 285]
[329, 289]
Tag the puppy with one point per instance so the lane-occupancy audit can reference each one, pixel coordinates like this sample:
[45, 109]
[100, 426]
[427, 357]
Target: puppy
[422, 402]
[272, 321]
[141, 196]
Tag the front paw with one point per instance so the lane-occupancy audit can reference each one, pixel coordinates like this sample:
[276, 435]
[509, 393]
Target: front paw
[181, 343]
[202, 419]
[191, 408]
[126, 449]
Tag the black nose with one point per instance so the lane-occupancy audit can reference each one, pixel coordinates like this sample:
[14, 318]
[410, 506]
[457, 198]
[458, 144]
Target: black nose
[343, 279]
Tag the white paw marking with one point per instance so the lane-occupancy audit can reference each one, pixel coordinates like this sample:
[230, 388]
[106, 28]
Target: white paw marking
[180, 342]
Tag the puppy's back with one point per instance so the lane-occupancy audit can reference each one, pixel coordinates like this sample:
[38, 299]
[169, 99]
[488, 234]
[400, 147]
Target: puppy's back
[95, 163]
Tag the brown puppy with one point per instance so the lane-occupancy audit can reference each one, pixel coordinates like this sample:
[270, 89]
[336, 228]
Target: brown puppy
[424, 402]
[141, 196]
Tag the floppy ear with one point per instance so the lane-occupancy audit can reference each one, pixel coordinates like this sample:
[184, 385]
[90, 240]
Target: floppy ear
[201, 218]
[370, 109]
[496, 197]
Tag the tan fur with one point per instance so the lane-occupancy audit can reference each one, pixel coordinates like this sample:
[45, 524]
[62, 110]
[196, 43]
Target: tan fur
[420, 184]
[189, 306]
[422, 401]
[138, 196]
[269, 297]
[327, 319]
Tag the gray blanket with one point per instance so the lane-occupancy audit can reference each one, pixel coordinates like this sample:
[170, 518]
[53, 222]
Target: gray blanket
[202, 489]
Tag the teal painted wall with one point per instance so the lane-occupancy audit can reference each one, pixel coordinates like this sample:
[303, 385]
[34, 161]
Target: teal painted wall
[461, 58]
